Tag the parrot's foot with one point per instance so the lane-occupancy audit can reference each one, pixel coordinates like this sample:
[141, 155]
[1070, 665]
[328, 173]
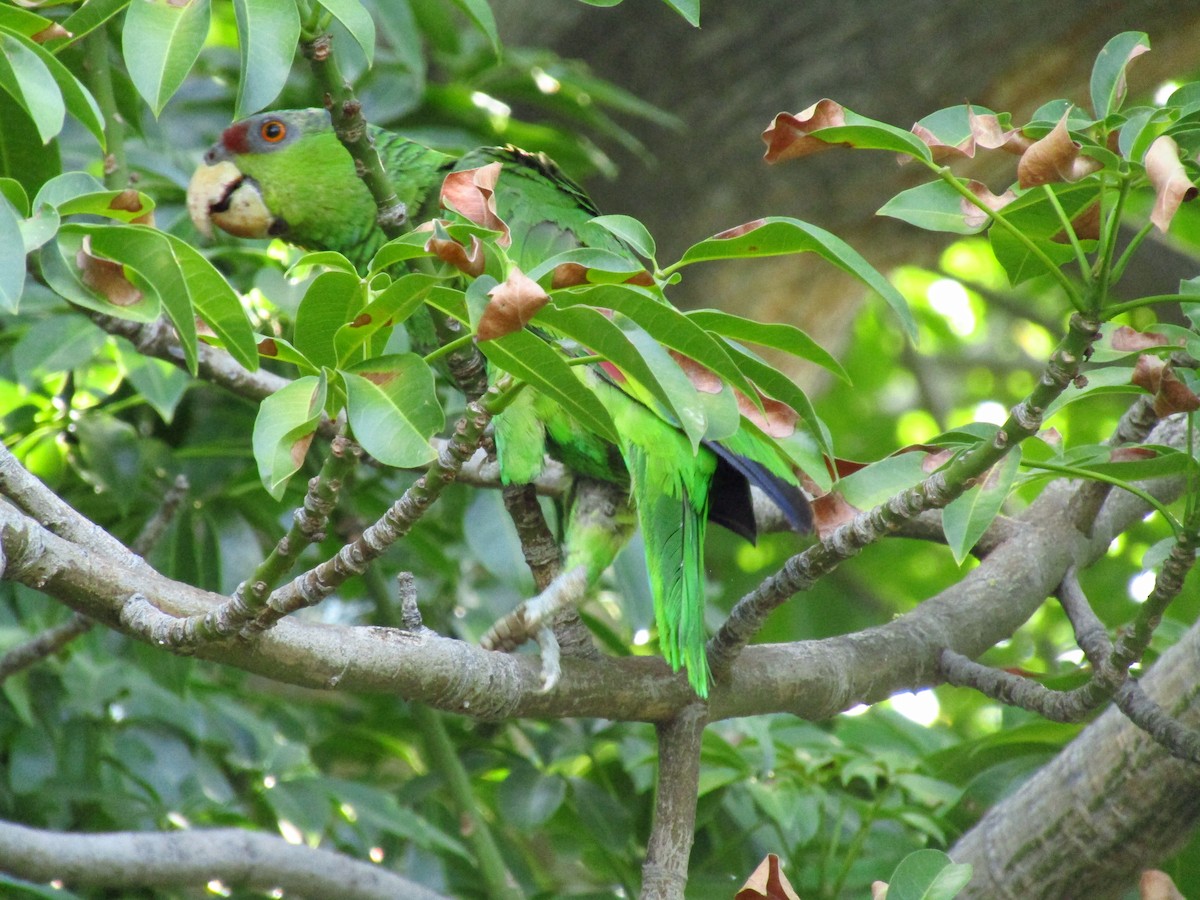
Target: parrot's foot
[529, 621]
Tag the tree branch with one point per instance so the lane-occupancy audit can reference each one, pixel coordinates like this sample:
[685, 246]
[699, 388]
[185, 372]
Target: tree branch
[664, 874]
[190, 859]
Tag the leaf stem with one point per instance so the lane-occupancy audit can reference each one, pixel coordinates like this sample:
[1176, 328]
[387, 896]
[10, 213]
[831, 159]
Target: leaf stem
[998, 218]
[1118, 309]
[1145, 496]
[1085, 268]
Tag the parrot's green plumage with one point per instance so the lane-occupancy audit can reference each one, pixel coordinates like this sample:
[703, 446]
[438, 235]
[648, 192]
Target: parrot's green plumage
[286, 174]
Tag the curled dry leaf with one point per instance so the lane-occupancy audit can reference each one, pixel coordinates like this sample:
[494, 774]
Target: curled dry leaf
[739, 230]
[830, 512]
[129, 201]
[787, 137]
[105, 277]
[570, 274]
[1171, 395]
[972, 214]
[472, 193]
[512, 305]
[49, 33]
[767, 883]
[1156, 885]
[986, 133]
[1170, 180]
[1128, 339]
[470, 262]
[1054, 158]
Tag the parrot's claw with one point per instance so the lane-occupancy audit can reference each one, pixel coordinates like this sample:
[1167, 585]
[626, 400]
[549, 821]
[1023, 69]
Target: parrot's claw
[529, 622]
[551, 658]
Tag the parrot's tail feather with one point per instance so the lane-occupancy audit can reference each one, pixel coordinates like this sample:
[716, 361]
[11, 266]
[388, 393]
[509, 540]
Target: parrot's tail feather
[789, 498]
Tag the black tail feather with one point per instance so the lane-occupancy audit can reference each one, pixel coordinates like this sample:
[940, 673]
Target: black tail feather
[729, 496]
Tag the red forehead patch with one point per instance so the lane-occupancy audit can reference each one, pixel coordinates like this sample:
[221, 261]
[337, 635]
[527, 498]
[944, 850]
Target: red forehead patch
[234, 138]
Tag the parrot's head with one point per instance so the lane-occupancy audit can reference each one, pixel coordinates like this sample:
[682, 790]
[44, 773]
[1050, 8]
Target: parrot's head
[281, 174]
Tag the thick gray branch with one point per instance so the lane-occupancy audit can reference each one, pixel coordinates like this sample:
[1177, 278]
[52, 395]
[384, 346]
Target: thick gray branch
[190, 859]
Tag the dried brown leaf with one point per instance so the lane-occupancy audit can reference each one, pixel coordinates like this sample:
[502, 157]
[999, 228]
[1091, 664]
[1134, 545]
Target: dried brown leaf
[472, 193]
[1054, 158]
[972, 214]
[830, 512]
[1126, 338]
[470, 262]
[739, 230]
[512, 305]
[1147, 373]
[1173, 396]
[49, 33]
[1131, 454]
[568, 275]
[105, 277]
[1170, 180]
[767, 883]
[787, 137]
[1156, 885]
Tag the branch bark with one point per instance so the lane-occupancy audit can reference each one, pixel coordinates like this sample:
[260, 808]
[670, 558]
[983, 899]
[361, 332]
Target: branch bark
[190, 859]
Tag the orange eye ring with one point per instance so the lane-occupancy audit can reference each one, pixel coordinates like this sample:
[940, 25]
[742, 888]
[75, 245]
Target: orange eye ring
[273, 131]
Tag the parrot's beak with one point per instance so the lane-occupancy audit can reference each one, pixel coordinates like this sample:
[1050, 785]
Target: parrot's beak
[221, 195]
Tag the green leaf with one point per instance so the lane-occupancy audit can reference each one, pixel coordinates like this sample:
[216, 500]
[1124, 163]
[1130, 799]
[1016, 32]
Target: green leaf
[284, 428]
[875, 483]
[1033, 215]
[356, 20]
[161, 41]
[934, 206]
[775, 384]
[78, 99]
[781, 235]
[776, 335]
[604, 266]
[701, 415]
[532, 360]
[66, 187]
[600, 334]
[393, 305]
[160, 383]
[65, 279]
[12, 257]
[23, 155]
[927, 875]
[91, 15]
[216, 302]
[119, 205]
[629, 230]
[1108, 72]
[480, 14]
[56, 344]
[689, 9]
[25, 77]
[23, 22]
[965, 519]
[663, 322]
[152, 267]
[332, 300]
[392, 407]
[268, 34]
[12, 191]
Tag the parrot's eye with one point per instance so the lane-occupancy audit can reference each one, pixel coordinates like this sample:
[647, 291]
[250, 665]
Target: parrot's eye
[273, 131]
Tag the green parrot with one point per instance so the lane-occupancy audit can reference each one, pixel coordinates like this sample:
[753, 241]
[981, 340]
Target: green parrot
[286, 174]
